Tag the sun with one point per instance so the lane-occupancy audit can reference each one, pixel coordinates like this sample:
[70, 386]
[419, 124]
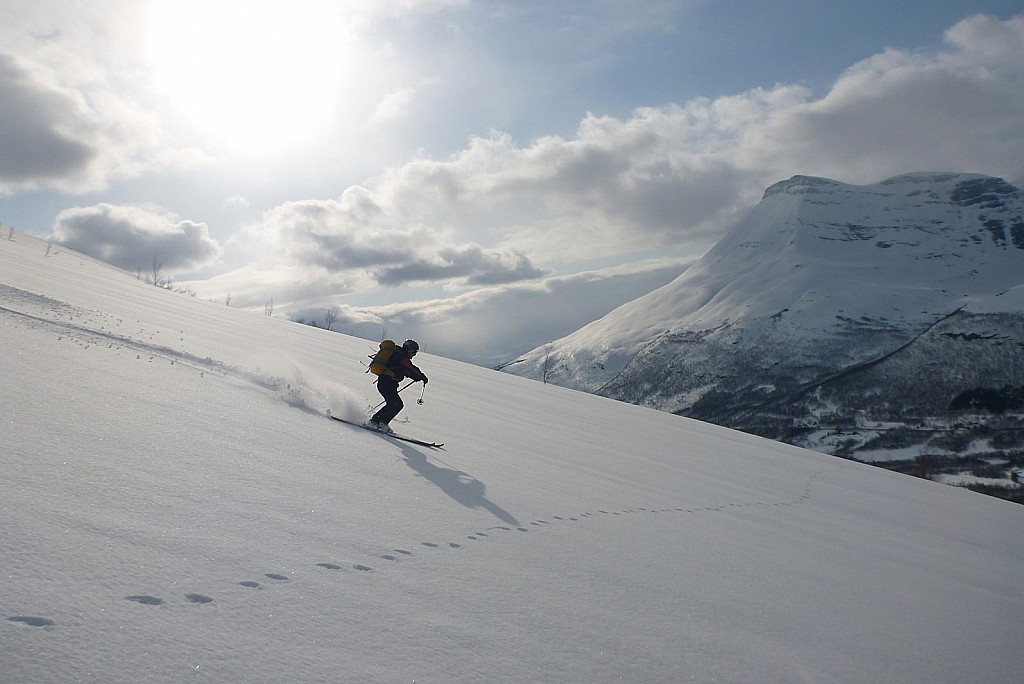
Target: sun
[253, 75]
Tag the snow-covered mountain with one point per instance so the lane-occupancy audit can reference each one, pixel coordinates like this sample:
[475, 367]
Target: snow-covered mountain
[177, 507]
[882, 322]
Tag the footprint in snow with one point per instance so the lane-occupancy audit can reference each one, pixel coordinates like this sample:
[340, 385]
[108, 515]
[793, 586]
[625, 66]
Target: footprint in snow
[329, 566]
[276, 577]
[146, 600]
[249, 584]
[198, 598]
[32, 621]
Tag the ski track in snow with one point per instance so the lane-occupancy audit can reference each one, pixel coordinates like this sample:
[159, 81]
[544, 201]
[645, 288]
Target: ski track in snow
[394, 556]
[60, 318]
[87, 336]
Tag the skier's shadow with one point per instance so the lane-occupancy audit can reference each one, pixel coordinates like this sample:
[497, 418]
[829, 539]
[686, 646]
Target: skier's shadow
[462, 487]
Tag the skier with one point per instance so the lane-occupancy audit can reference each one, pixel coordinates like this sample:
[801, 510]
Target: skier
[399, 366]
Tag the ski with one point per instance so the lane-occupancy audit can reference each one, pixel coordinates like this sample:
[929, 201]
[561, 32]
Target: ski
[412, 440]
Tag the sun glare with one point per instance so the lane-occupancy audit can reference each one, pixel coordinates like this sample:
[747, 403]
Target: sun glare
[255, 75]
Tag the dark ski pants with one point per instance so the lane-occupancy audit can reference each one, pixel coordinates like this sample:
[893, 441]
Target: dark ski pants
[393, 403]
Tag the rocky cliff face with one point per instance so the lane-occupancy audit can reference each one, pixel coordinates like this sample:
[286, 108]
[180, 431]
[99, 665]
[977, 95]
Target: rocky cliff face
[883, 323]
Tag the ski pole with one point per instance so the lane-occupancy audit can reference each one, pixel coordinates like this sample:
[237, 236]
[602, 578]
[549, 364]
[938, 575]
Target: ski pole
[385, 401]
[422, 390]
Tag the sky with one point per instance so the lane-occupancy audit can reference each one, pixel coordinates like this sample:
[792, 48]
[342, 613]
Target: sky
[178, 508]
[486, 176]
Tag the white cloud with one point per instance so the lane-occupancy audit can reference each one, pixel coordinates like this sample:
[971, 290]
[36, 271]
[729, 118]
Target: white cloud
[48, 134]
[959, 109]
[358, 237]
[141, 239]
[987, 40]
[71, 118]
[393, 106]
[492, 325]
[669, 174]
[291, 288]
[236, 202]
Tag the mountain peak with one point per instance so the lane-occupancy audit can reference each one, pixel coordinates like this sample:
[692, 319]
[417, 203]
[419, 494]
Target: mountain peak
[965, 189]
[938, 215]
[802, 185]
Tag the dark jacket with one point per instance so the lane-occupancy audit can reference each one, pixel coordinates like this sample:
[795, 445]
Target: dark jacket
[401, 367]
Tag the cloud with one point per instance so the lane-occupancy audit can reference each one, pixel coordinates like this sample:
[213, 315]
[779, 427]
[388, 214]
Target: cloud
[393, 106]
[291, 288]
[236, 202]
[136, 238]
[39, 138]
[959, 109]
[470, 263]
[669, 174]
[492, 325]
[70, 120]
[356, 235]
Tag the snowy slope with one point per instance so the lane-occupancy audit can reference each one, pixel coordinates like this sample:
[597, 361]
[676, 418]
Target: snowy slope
[177, 507]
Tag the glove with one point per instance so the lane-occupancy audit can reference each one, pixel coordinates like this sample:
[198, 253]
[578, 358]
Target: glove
[424, 379]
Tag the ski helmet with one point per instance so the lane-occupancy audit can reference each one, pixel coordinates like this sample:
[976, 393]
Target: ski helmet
[410, 345]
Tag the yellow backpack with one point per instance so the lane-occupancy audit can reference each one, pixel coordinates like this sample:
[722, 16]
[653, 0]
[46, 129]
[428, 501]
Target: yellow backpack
[379, 361]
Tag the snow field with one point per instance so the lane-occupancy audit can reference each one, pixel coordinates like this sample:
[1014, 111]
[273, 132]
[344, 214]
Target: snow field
[177, 507]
